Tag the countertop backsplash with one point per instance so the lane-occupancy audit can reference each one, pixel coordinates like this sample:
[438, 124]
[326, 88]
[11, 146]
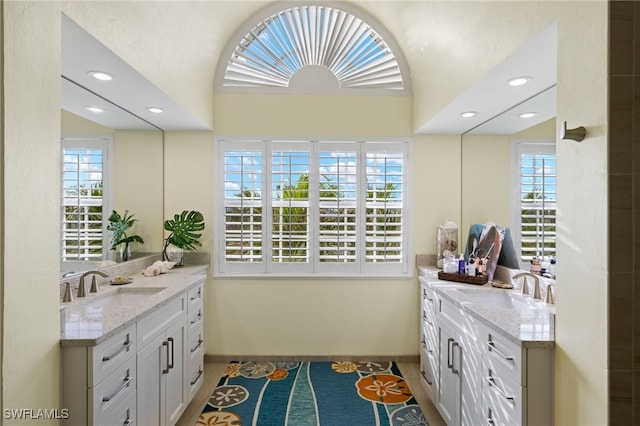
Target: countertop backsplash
[128, 269]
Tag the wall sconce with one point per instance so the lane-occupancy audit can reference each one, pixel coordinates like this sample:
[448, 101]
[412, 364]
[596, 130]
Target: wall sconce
[576, 134]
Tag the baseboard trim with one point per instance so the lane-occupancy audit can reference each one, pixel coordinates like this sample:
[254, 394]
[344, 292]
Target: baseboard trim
[320, 358]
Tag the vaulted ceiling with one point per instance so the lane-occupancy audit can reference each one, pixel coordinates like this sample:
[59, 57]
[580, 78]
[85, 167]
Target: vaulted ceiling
[459, 54]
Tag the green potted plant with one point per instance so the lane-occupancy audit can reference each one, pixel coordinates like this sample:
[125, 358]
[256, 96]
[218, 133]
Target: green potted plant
[119, 225]
[184, 234]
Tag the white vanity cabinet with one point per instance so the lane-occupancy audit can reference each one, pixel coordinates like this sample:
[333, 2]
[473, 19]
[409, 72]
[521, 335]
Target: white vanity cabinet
[429, 362]
[477, 373]
[195, 340]
[145, 374]
[517, 386]
[100, 381]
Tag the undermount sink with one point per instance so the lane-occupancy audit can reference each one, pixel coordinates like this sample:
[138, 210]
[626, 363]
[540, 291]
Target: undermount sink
[123, 296]
[502, 299]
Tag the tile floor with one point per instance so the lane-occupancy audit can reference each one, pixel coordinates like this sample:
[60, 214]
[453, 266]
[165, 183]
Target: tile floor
[213, 372]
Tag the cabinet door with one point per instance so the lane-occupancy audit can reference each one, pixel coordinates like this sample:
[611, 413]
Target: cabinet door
[150, 364]
[448, 388]
[470, 382]
[176, 380]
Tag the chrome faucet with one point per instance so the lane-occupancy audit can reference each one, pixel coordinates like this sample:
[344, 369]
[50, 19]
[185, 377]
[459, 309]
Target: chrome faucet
[525, 284]
[82, 289]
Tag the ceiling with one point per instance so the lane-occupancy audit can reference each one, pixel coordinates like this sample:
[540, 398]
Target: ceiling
[125, 99]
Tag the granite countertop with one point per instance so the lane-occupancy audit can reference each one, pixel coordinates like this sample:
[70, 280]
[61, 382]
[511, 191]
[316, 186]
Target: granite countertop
[531, 328]
[84, 322]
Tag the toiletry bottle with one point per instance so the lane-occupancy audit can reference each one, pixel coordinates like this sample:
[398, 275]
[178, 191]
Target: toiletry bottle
[552, 267]
[471, 269]
[461, 265]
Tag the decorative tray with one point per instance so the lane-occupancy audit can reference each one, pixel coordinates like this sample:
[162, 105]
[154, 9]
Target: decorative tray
[463, 278]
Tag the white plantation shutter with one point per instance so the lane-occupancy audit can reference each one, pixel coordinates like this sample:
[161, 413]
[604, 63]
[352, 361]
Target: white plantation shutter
[334, 208]
[243, 204]
[337, 206]
[83, 203]
[385, 207]
[536, 192]
[290, 225]
[285, 42]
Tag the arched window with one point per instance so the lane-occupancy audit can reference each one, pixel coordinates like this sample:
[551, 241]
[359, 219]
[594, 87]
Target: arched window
[313, 48]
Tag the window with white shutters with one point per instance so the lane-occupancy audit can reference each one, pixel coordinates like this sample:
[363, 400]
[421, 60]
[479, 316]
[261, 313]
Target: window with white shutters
[332, 209]
[243, 206]
[535, 216]
[83, 200]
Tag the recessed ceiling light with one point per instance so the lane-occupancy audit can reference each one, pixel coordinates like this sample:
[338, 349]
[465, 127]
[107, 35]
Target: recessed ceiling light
[519, 81]
[94, 109]
[528, 114]
[468, 114]
[155, 110]
[99, 75]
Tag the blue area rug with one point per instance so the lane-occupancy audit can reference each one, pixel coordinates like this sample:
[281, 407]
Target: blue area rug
[312, 394]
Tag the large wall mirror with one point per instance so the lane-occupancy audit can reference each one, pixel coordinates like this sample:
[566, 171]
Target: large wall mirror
[509, 175]
[125, 174]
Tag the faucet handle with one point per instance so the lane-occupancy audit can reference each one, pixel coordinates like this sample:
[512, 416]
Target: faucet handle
[82, 288]
[68, 294]
[549, 296]
[525, 286]
[94, 285]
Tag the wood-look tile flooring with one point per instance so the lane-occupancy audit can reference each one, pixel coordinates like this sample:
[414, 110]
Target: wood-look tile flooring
[213, 372]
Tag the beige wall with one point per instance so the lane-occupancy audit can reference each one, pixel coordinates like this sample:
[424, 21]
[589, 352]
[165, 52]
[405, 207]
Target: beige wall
[31, 140]
[320, 316]
[138, 184]
[581, 321]
[30, 325]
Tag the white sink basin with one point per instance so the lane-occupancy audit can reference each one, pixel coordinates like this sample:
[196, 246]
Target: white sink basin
[123, 296]
[502, 300]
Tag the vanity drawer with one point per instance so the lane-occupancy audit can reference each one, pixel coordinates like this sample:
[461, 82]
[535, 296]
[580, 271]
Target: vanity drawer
[428, 373]
[195, 296]
[195, 373]
[113, 390]
[429, 340]
[196, 342]
[124, 414]
[502, 399]
[109, 355]
[449, 312]
[503, 356]
[428, 299]
[196, 317]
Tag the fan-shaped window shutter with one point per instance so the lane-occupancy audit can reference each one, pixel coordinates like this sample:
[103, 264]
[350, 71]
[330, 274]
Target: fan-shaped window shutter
[278, 47]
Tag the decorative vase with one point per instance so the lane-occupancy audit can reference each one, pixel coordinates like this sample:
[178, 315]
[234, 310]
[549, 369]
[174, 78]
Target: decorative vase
[174, 254]
[125, 253]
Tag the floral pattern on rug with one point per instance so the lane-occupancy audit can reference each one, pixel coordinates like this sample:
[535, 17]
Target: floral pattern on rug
[218, 418]
[384, 388]
[312, 394]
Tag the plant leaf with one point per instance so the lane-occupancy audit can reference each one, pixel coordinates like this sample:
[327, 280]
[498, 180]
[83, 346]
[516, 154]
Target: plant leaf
[184, 228]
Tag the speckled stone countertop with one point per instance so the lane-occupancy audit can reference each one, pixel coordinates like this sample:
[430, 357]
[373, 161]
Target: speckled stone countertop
[87, 322]
[531, 328]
